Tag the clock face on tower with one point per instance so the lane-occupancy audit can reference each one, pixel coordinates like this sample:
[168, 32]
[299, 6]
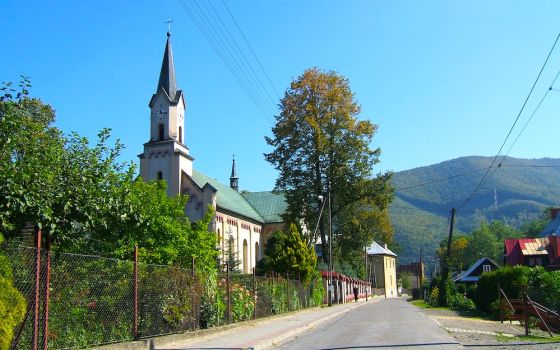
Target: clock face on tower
[160, 112]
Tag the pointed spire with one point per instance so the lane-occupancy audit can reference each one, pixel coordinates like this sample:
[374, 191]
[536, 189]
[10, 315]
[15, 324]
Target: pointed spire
[167, 73]
[233, 179]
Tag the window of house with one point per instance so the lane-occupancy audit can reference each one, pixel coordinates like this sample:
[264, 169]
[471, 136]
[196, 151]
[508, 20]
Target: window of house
[160, 175]
[160, 132]
[486, 268]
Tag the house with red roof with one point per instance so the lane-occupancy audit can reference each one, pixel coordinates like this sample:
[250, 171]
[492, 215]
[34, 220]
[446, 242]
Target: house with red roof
[541, 251]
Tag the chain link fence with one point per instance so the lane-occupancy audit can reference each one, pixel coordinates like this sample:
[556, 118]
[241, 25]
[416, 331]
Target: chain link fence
[94, 300]
[546, 306]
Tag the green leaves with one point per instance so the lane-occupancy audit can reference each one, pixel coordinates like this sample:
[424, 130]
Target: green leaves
[86, 198]
[288, 252]
[318, 140]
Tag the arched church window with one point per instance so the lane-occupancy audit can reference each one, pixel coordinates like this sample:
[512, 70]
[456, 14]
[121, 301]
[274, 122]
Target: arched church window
[160, 175]
[180, 135]
[160, 133]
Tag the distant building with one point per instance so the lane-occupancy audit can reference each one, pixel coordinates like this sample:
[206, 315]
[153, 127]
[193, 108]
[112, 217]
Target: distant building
[541, 251]
[242, 221]
[382, 270]
[416, 270]
[475, 271]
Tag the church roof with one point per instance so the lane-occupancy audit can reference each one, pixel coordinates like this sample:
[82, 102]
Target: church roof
[228, 198]
[167, 74]
[270, 205]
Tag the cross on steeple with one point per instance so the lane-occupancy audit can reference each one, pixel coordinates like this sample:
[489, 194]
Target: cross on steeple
[169, 21]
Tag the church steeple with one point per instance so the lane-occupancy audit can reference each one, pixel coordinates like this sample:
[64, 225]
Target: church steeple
[233, 179]
[167, 74]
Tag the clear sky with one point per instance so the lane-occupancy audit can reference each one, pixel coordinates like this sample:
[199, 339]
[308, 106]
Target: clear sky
[442, 79]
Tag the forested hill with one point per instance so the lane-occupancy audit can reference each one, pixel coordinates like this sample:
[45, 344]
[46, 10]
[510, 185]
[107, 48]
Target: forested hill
[420, 212]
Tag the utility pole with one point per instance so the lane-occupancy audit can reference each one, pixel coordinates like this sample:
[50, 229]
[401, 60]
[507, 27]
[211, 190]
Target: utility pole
[331, 265]
[442, 298]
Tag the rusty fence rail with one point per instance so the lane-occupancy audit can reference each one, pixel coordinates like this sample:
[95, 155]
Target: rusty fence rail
[79, 301]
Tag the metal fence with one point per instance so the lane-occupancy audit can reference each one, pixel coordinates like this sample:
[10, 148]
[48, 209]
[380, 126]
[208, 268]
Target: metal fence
[536, 308]
[78, 301]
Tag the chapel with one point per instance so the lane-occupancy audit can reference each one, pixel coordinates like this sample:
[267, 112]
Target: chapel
[243, 221]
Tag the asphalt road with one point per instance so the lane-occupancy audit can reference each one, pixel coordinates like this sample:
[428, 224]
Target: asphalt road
[388, 324]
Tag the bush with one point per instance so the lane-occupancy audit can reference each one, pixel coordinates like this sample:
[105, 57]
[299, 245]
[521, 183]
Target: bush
[460, 302]
[433, 297]
[317, 291]
[510, 279]
[12, 304]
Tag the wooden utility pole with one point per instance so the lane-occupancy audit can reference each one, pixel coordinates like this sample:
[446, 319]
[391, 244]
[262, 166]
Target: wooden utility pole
[442, 298]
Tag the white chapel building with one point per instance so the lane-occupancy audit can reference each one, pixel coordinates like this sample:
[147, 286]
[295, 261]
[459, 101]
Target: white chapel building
[244, 219]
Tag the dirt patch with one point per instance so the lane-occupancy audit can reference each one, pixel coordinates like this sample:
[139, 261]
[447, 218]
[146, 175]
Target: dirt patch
[482, 333]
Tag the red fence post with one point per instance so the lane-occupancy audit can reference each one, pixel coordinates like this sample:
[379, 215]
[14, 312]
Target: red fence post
[228, 294]
[255, 294]
[47, 295]
[135, 294]
[193, 289]
[35, 335]
[288, 290]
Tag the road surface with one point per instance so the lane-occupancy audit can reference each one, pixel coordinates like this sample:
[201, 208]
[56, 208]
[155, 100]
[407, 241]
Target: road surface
[387, 324]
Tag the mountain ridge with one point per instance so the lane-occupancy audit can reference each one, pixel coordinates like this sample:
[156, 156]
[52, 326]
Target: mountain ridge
[516, 192]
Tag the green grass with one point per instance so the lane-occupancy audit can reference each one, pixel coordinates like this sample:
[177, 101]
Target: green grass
[424, 305]
[528, 338]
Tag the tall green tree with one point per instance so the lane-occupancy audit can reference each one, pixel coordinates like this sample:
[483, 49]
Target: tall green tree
[288, 252]
[319, 143]
[84, 197]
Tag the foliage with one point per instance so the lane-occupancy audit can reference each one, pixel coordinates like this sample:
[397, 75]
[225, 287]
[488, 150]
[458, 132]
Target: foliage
[405, 280]
[12, 303]
[487, 241]
[317, 290]
[510, 279]
[460, 302]
[433, 296]
[523, 192]
[85, 198]
[242, 303]
[287, 252]
[319, 143]
[232, 259]
[213, 303]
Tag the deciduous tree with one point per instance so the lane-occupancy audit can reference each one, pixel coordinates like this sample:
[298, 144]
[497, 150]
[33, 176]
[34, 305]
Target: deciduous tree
[319, 142]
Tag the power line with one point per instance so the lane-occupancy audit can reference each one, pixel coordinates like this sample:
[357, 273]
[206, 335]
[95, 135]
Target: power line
[438, 180]
[531, 117]
[252, 51]
[484, 177]
[216, 32]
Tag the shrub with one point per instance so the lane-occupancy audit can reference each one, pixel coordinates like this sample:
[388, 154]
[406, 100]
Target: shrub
[317, 291]
[510, 279]
[12, 304]
[433, 297]
[460, 302]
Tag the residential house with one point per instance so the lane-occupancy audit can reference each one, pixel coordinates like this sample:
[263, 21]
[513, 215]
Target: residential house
[382, 270]
[475, 271]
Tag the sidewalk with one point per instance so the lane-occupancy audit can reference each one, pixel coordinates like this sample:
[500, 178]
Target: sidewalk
[262, 333]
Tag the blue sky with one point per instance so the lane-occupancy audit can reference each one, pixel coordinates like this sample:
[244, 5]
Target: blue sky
[442, 79]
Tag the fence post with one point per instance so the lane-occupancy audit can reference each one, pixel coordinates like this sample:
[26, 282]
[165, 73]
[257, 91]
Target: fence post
[47, 294]
[500, 303]
[255, 293]
[288, 290]
[193, 289]
[135, 295]
[35, 330]
[525, 311]
[228, 294]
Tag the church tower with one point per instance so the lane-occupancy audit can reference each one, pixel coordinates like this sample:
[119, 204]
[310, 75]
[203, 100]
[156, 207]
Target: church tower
[233, 179]
[165, 155]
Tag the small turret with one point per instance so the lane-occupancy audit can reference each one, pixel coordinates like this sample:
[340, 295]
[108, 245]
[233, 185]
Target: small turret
[233, 179]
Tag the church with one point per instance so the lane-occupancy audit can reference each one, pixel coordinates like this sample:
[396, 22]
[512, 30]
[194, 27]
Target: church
[242, 221]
